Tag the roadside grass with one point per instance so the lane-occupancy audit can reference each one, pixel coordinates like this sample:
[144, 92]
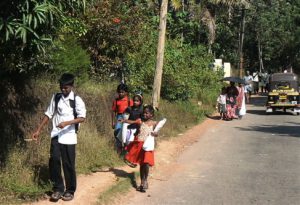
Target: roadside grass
[121, 187]
[24, 176]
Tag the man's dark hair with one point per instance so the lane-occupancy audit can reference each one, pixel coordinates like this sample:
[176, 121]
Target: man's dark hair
[67, 79]
[123, 87]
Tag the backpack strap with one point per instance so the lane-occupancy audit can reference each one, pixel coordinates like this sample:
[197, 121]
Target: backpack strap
[72, 105]
[56, 100]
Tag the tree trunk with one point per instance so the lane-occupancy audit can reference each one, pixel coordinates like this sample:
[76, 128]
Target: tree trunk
[160, 54]
[241, 42]
[261, 65]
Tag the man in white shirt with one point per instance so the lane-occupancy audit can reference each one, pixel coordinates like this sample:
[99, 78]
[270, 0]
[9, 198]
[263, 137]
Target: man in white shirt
[255, 82]
[66, 111]
[248, 87]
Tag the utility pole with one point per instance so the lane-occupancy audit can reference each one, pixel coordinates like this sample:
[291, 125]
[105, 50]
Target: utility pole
[241, 42]
[261, 65]
[160, 54]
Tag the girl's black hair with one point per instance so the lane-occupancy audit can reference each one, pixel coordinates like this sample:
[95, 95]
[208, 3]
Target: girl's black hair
[223, 90]
[122, 86]
[140, 97]
[150, 108]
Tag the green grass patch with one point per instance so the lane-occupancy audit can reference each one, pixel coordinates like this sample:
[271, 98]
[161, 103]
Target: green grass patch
[122, 187]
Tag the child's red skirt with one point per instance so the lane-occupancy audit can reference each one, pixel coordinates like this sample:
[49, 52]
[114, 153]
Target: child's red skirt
[137, 155]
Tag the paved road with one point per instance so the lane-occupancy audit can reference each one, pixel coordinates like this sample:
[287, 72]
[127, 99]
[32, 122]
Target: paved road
[255, 160]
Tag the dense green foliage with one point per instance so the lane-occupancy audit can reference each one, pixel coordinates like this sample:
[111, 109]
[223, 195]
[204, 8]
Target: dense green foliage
[276, 25]
[68, 56]
[27, 26]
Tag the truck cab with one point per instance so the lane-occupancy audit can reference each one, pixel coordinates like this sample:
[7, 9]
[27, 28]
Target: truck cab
[283, 93]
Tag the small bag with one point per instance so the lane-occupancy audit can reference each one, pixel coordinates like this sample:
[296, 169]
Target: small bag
[150, 142]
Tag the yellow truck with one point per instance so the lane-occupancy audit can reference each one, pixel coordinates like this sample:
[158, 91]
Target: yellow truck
[283, 93]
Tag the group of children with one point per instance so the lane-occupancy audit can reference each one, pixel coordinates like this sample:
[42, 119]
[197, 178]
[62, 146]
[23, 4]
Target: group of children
[134, 129]
[231, 102]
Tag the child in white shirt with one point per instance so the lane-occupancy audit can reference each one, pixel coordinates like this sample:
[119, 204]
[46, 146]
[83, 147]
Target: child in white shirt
[221, 100]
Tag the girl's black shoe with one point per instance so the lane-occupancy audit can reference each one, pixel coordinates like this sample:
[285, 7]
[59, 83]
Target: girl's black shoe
[141, 189]
[130, 164]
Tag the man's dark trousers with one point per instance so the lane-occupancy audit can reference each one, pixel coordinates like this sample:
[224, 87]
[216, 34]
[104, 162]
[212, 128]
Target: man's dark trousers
[65, 155]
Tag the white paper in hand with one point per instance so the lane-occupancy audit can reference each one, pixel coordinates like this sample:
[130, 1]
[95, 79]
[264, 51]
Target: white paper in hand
[160, 124]
[150, 142]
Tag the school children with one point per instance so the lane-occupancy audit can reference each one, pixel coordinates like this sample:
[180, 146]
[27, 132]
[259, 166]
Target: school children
[141, 150]
[118, 107]
[66, 110]
[131, 125]
[221, 100]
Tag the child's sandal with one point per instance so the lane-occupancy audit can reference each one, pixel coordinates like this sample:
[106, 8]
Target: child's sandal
[130, 164]
[141, 189]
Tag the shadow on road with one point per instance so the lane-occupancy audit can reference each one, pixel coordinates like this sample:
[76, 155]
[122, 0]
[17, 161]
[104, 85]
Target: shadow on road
[280, 130]
[215, 117]
[124, 174]
[263, 112]
[258, 100]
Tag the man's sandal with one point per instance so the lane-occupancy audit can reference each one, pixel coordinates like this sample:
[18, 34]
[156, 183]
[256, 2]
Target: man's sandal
[55, 196]
[67, 196]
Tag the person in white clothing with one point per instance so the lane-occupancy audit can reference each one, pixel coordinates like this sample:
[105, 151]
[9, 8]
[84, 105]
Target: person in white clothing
[248, 87]
[241, 106]
[255, 82]
[221, 100]
[66, 110]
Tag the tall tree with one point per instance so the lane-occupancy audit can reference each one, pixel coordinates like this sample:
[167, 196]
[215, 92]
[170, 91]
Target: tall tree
[160, 53]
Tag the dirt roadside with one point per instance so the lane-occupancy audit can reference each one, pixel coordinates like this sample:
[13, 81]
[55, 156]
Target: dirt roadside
[91, 186]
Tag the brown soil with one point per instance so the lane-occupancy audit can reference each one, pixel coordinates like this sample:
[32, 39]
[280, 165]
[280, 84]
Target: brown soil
[91, 186]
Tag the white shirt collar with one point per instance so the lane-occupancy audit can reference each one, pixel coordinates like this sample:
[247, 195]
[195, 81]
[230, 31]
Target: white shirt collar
[70, 96]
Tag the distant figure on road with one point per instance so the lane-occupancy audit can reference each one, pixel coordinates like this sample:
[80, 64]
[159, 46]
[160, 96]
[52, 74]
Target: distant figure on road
[221, 106]
[232, 93]
[241, 105]
[264, 78]
[248, 87]
[255, 82]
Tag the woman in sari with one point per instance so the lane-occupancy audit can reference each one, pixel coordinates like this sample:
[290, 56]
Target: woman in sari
[231, 103]
[240, 101]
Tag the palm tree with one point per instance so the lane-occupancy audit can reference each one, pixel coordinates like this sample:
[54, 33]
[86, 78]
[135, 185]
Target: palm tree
[207, 17]
[206, 11]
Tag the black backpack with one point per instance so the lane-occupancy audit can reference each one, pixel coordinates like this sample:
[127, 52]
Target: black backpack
[72, 105]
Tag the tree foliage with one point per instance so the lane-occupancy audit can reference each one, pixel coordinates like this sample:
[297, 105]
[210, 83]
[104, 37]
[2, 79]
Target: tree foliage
[28, 26]
[275, 25]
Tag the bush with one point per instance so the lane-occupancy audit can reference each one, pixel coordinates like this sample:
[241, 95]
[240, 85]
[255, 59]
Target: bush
[185, 71]
[68, 56]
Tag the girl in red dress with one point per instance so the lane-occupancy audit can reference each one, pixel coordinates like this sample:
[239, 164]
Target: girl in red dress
[136, 153]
